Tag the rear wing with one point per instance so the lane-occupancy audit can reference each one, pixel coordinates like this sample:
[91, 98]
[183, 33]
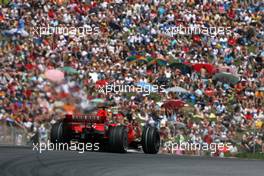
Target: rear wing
[99, 117]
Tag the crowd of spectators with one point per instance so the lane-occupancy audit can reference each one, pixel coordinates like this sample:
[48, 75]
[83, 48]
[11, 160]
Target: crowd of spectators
[121, 29]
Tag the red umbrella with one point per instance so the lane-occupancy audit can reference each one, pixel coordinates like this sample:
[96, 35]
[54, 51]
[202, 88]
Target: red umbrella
[209, 67]
[197, 38]
[248, 116]
[173, 104]
[224, 149]
[101, 83]
[209, 92]
[186, 49]
[29, 67]
[232, 41]
[54, 75]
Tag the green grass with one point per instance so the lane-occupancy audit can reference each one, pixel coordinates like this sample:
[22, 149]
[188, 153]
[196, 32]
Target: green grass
[250, 155]
[251, 49]
[155, 96]
[5, 2]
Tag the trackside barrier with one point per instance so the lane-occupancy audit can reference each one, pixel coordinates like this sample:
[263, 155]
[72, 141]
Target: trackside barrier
[12, 133]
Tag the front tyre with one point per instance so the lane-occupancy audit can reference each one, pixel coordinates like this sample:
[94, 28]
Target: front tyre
[150, 140]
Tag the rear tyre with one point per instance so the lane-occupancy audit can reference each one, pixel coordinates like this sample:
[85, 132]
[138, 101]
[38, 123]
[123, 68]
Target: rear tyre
[150, 140]
[58, 133]
[118, 139]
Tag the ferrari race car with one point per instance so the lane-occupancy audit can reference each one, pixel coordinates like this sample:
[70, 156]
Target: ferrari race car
[98, 127]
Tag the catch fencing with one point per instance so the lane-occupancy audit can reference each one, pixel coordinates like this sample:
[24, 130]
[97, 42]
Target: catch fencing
[11, 133]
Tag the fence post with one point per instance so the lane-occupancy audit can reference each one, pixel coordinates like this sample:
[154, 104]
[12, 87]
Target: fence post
[13, 134]
[4, 130]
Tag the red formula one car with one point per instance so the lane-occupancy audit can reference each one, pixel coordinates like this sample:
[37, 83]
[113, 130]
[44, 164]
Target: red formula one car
[99, 127]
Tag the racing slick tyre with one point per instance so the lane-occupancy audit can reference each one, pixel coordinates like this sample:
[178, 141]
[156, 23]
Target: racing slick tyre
[150, 140]
[118, 139]
[58, 133]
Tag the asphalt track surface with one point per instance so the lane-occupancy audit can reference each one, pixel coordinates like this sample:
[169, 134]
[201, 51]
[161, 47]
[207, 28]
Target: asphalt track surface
[26, 162]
